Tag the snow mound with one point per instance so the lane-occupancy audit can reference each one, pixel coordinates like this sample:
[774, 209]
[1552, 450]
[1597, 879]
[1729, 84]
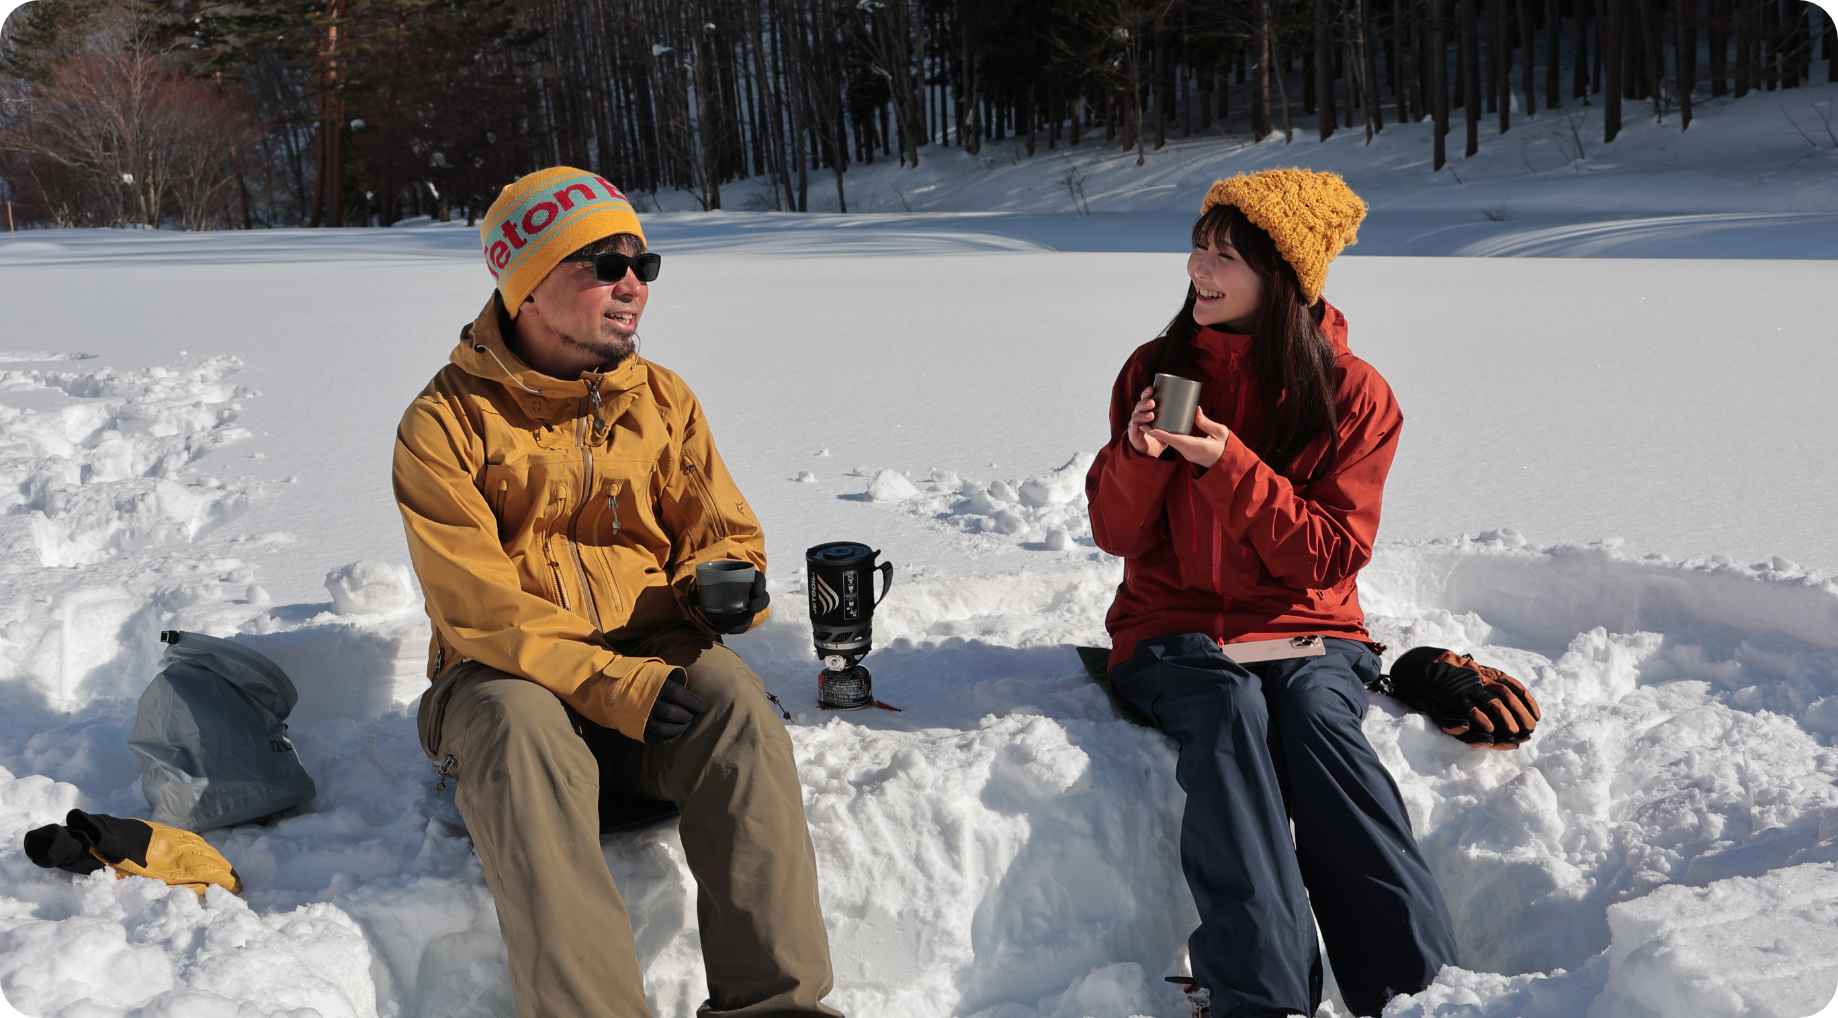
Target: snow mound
[1763, 945]
[890, 485]
[1044, 512]
[166, 953]
[372, 588]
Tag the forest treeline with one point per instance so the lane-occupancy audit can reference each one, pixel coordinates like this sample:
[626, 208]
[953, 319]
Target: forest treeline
[201, 114]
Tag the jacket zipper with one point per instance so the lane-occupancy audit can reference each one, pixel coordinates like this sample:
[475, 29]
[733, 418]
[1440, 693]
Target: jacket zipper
[716, 522]
[574, 523]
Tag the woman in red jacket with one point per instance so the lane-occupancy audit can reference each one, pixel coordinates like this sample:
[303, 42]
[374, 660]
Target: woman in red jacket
[1253, 528]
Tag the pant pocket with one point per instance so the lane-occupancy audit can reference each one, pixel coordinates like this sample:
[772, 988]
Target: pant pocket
[431, 713]
[1360, 658]
[1166, 665]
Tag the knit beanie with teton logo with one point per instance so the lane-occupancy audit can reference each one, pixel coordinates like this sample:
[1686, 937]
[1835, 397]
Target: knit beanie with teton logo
[543, 217]
[1311, 215]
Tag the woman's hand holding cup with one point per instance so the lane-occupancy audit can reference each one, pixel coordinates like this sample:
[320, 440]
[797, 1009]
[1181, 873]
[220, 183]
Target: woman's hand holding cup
[1142, 420]
[1202, 450]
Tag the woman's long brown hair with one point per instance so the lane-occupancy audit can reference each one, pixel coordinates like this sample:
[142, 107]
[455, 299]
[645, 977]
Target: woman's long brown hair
[1291, 357]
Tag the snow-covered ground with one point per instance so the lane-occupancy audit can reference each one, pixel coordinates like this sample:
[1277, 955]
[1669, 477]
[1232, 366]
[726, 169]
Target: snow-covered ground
[1616, 482]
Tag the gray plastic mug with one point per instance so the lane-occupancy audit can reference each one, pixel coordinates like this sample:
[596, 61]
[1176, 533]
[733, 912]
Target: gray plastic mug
[1176, 399]
[724, 585]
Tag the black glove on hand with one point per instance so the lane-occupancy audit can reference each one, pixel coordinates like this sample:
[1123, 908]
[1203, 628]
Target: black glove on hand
[730, 623]
[675, 710]
[1469, 700]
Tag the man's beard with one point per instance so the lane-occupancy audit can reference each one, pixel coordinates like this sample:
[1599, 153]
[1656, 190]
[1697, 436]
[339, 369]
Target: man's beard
[611, 350]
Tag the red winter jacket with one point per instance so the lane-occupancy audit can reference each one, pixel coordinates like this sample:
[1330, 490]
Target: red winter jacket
[1237, 551]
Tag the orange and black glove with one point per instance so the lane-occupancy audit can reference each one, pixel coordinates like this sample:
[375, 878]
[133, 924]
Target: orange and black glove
[86, 842]
[1469, 700]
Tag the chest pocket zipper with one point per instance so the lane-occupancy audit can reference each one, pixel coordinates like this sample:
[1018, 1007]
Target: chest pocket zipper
[611, 511]
[716, 522]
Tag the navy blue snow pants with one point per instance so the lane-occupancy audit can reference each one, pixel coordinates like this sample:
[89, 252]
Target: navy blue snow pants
[1262, 745]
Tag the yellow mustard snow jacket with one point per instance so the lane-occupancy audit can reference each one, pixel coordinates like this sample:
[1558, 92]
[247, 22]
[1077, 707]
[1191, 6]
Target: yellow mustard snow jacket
[550, 519]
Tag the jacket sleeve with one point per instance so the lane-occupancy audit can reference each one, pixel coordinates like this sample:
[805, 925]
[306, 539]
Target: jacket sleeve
[473, 592]
[1125, 488]
[704, 512]
[1317, 541]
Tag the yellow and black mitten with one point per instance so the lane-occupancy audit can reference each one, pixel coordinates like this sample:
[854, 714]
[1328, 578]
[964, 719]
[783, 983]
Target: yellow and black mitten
[132, 848]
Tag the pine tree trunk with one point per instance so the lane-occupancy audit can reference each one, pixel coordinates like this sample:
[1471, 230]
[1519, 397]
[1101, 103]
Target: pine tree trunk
[1136, 97]
[1528, 50]
[1423, 13]
[1653, 34]
[1262, 71]
[1771, 45]
[1162, 90]
[1375, 116]
[1745, 41]
[1612, 51]
[1282, 90]
[1554, 48]
[1439, 82]
[969, 125]
[1503, 63]
[1402, 63]
[1793, 39]
[1600, 14]
[1687, 59]
[1471, 75]
[1326, 116]
[1717, 32]
[1579, 71]
[1490, 49]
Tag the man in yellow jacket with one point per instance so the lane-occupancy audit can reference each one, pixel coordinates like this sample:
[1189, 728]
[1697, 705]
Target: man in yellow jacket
[559, 491]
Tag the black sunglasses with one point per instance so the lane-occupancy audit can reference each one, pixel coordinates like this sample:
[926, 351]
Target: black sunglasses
[610, 266]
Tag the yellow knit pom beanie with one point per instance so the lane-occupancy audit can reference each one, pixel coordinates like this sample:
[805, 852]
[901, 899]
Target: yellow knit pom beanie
[1311, 216]
[543, 217]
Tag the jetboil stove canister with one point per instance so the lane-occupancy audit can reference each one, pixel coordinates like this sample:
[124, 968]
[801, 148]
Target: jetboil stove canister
[841, 581]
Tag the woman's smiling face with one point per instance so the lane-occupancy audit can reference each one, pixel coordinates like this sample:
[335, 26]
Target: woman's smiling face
[1226, 290]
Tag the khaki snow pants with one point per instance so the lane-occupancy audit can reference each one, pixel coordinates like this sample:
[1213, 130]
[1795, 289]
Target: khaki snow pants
[531, 777]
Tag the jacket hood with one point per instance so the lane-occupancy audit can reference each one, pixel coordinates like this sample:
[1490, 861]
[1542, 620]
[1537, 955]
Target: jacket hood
[482, 351]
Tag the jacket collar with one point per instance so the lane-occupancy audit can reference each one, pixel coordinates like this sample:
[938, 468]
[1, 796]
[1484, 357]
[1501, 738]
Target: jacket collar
[1232, 345]
[483, 352]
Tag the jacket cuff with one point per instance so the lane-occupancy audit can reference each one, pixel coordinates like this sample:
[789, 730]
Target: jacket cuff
[621, 696]
[1220, 482]
[1133, 468]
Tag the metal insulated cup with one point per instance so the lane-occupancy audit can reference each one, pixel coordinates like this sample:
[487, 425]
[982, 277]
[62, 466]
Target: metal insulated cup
[1176, 400]
[724, 585]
